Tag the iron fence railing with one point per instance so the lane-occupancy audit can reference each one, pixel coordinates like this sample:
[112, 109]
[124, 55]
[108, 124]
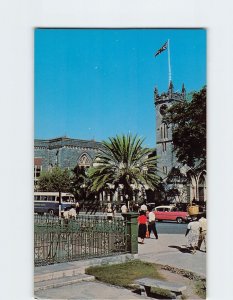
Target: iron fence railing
[59, 240]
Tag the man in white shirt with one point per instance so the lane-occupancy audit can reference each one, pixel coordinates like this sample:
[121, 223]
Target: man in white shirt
[151, 223]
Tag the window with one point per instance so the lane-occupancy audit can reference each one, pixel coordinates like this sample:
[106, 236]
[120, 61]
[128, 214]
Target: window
[164, 146]
[37, 171]
[165, 128]
[84, 160]
[37, 167]
[65, 198]
[174, 209]
[165, 170]
[160, 209]
[161, 132]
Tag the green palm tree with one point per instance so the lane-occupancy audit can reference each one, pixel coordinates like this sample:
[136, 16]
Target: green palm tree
[123, 161]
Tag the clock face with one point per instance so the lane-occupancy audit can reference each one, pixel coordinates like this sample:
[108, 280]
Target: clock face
[163, 109]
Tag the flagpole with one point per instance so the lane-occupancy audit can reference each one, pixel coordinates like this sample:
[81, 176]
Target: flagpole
[169, 64]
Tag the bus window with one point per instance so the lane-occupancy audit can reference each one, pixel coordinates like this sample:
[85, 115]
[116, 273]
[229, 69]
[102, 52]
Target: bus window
[44, 198]
[37, 198]
[51, 198]
[65, 198]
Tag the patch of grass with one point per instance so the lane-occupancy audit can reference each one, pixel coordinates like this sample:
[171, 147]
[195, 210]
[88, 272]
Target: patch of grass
[200, 288]
[124, 274]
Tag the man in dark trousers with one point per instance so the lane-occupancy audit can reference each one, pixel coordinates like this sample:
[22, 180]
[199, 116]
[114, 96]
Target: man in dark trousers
[151, 223]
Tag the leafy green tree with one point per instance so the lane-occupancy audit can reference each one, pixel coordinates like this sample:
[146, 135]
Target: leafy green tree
[188, 121]
[123, 161]
[56, 180]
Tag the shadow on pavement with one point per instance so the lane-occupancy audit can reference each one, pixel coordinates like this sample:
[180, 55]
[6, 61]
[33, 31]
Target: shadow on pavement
[152, 294]
[181, 249]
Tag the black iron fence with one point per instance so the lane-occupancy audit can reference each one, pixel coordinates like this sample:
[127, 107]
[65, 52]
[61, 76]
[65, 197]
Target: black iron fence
[59, 240]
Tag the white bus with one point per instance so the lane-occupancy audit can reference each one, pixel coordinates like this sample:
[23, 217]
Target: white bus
[48, 202]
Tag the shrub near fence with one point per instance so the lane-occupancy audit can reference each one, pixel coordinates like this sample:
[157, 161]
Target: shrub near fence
[86, 237]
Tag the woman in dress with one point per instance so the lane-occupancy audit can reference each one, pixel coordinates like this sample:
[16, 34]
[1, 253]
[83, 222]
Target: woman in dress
[142, 226]
[192, 232]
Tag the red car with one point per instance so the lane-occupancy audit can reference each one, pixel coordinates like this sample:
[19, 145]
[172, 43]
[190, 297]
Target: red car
[170, 213]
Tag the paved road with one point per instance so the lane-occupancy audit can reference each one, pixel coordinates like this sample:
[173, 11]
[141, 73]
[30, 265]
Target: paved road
[171, 228]
[165, 227]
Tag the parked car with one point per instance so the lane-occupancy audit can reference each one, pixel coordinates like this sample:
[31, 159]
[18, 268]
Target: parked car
[170, 213]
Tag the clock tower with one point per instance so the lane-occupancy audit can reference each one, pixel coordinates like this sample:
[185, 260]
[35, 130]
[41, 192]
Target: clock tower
[167, 158]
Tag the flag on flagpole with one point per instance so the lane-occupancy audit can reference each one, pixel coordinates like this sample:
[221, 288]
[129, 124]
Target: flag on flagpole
[163, 48]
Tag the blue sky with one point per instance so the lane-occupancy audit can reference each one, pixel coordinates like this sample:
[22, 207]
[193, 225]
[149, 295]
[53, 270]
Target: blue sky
[96, 83]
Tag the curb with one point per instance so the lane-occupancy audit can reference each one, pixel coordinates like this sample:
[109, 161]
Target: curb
[59, 282]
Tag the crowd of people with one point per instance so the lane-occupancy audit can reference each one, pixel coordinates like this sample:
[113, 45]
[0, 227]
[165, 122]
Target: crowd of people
[195, 233]
[71, 212]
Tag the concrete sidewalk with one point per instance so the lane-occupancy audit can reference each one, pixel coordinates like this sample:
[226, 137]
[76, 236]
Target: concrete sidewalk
[167, 250]
[170, 249]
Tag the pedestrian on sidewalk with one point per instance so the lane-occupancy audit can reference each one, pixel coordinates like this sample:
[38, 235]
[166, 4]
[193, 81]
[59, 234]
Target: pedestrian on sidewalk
[77, 207]
[143, 207]
[152, 223]
[142, 226]
[203, 229]
[109, 214]
[192, 234]
[124, 209]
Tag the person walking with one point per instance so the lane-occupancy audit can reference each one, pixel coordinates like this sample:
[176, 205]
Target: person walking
[77, 207]
[202, 234]
[124, 209]
[192, 234]
[142, 226]
[143, 207]
[151, 223]
[109, 212]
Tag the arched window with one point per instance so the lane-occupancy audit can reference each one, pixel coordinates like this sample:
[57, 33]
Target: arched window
[201, 187]
[84, 160]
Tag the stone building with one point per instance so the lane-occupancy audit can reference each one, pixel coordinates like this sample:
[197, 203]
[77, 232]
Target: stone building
[189, 183]
[63, 152]
[67, 153]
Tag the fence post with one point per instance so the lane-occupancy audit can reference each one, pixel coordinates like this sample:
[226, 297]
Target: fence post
[132, 231]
